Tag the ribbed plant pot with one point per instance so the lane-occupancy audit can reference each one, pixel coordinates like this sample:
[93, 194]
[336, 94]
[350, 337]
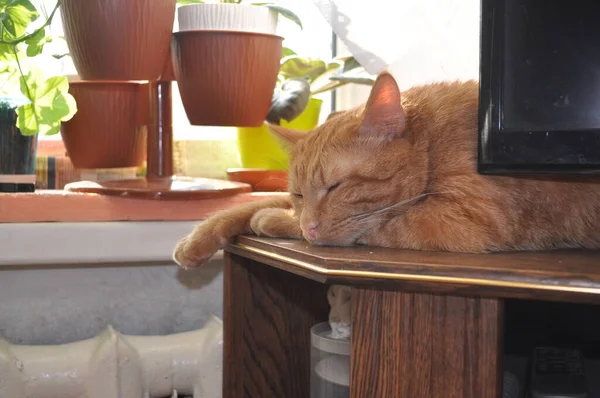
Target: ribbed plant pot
[118, 39]
[226, 78]
[227, 17]
[110, 127]
[17, 152]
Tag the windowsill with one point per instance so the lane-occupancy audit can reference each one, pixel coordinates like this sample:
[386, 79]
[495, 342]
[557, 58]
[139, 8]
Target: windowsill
[90, 243]
[67, 207]
[61, 228]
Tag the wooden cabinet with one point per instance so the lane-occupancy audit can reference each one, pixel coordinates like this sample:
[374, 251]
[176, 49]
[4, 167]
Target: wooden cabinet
[424, 324]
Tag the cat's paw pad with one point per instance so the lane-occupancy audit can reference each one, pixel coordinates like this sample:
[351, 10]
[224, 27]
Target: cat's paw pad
[193, 250]
[270, 222]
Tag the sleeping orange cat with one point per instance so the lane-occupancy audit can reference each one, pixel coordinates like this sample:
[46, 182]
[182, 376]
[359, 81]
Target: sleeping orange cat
[400, 172]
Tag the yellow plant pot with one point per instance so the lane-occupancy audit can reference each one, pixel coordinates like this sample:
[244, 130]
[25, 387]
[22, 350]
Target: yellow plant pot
[259, 149]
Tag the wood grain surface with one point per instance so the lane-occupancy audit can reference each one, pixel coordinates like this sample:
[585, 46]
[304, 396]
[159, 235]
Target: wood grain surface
[423, 345]
[554, 275]
[268, 314]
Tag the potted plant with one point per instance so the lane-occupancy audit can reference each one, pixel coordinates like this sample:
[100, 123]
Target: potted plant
[294, 105]
[31, 103]
[226, 60]
[118, 40]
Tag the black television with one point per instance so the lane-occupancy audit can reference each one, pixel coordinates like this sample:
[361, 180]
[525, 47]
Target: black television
[539, 104]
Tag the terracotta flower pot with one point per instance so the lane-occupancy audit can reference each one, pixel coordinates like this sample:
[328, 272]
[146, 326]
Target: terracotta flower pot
[109, 129]
[226, 78]
[118, 39]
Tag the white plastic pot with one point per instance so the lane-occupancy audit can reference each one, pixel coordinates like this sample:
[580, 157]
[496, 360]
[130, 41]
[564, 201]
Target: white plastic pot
[228, 17]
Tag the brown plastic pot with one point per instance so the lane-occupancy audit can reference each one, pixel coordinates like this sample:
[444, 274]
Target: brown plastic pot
[118, 39]
[110, 126]
[226, 78]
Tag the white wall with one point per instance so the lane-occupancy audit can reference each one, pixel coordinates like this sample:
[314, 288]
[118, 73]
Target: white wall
[420, 41]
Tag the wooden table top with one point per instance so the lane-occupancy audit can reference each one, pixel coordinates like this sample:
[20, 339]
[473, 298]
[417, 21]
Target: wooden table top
[555, 275]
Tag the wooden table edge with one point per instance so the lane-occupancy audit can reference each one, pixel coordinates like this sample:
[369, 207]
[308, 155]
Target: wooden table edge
[462, 286]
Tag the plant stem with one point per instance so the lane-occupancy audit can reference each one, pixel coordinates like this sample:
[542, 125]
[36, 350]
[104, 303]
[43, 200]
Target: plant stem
[26, 37]
[14, 48]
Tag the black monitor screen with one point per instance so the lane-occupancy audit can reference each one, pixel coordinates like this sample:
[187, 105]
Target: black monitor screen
[551, 65]
[540, 86]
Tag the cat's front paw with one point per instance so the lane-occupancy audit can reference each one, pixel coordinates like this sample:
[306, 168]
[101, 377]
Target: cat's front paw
[275, 223]
[198, 247]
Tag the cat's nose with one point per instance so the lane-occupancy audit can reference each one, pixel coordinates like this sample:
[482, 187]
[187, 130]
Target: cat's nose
[311, 229]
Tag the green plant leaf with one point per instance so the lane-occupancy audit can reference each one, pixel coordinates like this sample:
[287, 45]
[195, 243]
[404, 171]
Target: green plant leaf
[186, 2]
[9, 79]
[295, 66]
[35, 44]
[284, 12]
[350, 63]
[286, 52]
[6, 53]
[61, 56]
[16, 16]
[6, 37]
[50, 104]
[336, 78]
[324, 83]
[309, 69]
[368, 81]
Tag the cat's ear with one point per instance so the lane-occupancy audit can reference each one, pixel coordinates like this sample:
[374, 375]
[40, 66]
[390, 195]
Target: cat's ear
[384, 115]
[286, 135]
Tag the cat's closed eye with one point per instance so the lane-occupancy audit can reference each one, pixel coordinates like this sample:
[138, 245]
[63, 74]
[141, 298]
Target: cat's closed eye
[297, 195]
[334, 186]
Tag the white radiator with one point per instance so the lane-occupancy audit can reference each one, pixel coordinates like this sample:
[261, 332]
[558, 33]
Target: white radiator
[113, 365]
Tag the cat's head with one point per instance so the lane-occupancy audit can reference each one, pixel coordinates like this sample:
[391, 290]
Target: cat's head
[347, 171]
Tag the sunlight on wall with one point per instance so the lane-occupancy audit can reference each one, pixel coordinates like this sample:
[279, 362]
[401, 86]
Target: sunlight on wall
[422, 41]
[432, 40]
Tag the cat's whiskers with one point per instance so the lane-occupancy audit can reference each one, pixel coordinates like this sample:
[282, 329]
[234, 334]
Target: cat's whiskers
[366, 215]
[371, 213]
